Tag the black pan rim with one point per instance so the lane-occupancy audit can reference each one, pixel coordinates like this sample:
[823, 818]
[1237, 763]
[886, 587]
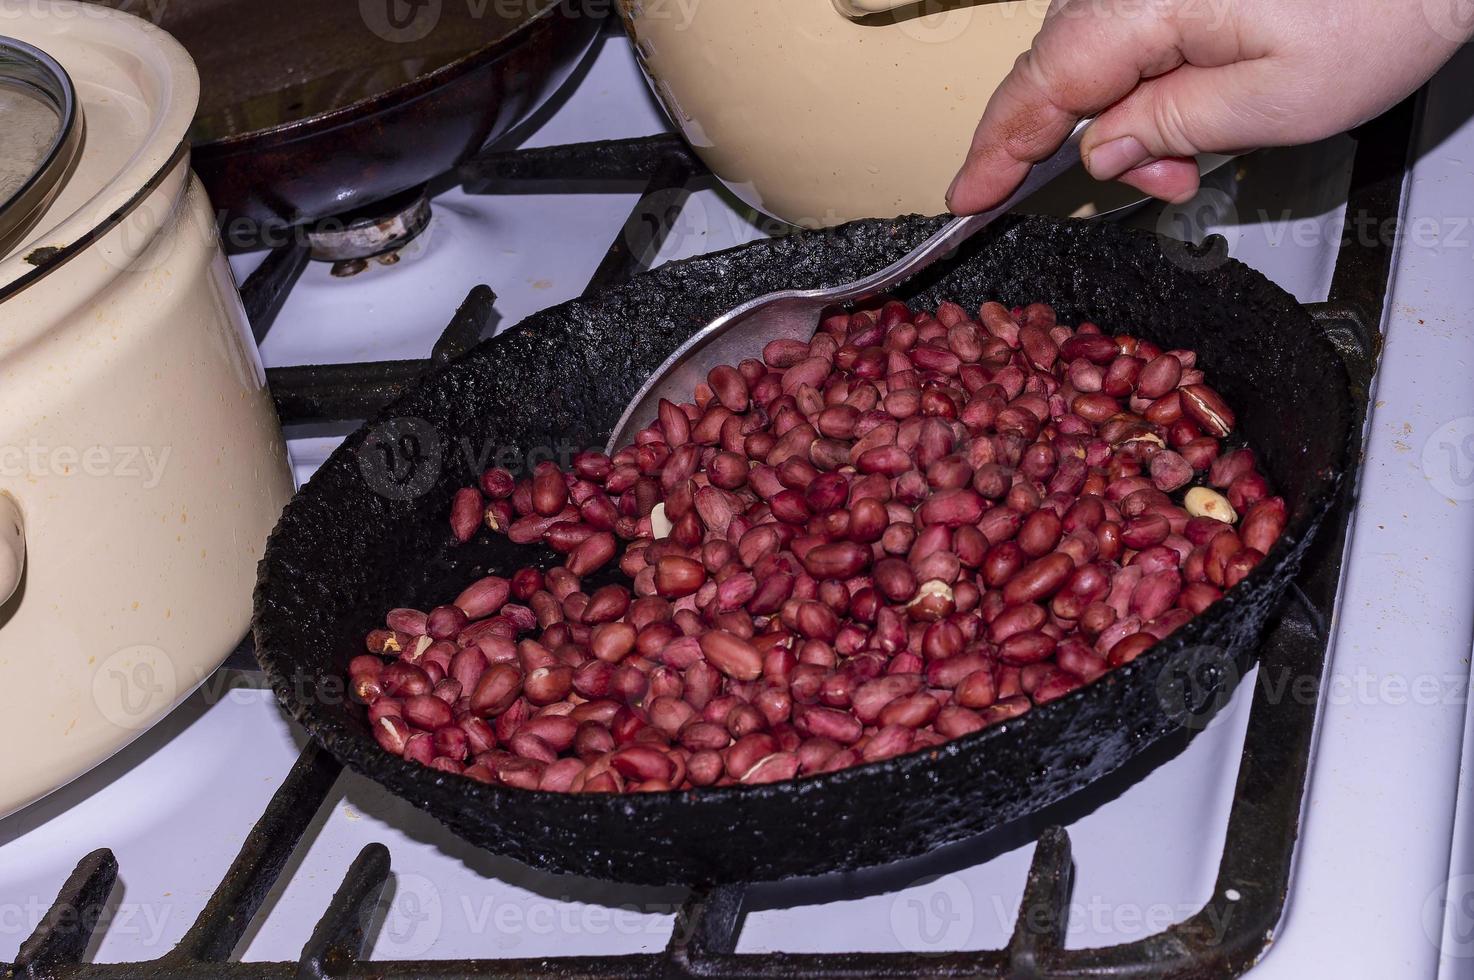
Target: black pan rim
[358, 751]
[324, 122]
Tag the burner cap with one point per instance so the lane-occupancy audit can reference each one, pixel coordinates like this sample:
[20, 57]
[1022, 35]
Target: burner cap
[384, 226]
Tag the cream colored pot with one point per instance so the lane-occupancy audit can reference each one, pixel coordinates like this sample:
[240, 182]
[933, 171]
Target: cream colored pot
[141, 463]
[822, 111]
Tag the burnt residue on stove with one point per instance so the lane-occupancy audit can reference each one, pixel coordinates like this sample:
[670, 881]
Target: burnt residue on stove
[44, 254]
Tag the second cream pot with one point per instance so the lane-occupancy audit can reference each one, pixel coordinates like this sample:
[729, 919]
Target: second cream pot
[817, 118]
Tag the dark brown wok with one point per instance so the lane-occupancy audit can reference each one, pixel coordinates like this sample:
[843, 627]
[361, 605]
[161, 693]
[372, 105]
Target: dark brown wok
[369, 532]
[313, 108]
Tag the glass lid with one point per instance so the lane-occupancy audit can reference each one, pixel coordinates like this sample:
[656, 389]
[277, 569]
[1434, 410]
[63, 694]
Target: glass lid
[40, 134]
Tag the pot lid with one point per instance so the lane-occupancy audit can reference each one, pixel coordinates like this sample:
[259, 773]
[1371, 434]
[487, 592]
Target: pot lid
[137, 89]
[42, 122]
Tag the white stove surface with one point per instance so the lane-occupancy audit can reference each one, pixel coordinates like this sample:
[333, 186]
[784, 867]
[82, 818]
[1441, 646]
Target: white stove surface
[1376, 862]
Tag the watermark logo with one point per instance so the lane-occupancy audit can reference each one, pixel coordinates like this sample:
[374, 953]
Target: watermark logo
[134, 685]
[1451, 19]
[413, 918]
[1451, 903]
[670, 215]
[1196, 684]
[400, 21]
[1448, 459]
[1200, 235]
[401, 458]
[937, 22]
[933, 916]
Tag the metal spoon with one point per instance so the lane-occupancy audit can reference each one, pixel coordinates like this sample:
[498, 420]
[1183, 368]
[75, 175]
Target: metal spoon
[793, 314]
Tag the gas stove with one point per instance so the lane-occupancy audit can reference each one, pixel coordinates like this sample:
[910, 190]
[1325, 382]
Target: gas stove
[1312, 827]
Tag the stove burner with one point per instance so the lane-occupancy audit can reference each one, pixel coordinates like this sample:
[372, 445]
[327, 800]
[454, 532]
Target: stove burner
[662, 166]
[376, 230]
[344, 268]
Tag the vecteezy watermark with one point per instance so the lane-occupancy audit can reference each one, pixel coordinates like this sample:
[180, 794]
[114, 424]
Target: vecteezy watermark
[134, 685]
[413, 918]
[1211, 12]
[548, 917]
[1448, 459]
[1098, 916]
[934, 916]
[400, 21]
[1448, 917]
[674, 223]
[1364, 687]
[37, 460]
[681, 12]
[416, 914]
[940, 22]
[939, 915]
[1214, 213]
[943, 21]
[1362, 228]
[401, 458]
[35, 11]
[1196, 684]
[1452, 19]
[1200, 680]
[141, 923]
[408, 21]
[668, 215]
[480, 457]
[1200, 235]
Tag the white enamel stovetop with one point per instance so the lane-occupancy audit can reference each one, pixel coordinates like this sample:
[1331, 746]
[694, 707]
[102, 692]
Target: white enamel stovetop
[1381, 849]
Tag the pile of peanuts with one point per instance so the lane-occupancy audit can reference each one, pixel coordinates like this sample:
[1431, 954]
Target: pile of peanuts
[910, 528]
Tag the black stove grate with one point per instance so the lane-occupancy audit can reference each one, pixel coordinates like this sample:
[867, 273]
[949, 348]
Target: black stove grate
[1225, 938]
[661, 167]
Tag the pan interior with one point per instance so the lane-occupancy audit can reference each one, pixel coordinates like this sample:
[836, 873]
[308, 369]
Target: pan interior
[269, 63]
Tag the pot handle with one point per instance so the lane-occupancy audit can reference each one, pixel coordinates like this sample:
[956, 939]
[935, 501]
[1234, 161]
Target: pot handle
[863, 8]
[12, 546]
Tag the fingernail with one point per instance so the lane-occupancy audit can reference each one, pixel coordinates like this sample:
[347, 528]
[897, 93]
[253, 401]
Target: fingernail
[1110, 160]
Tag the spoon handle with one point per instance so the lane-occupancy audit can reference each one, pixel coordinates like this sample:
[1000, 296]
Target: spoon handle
[959, 230]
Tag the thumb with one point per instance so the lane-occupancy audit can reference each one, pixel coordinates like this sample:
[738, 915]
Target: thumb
[1083, 60]
[1149, 138]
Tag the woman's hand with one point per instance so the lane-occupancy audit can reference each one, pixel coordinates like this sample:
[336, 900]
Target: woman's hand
[1169, 79]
